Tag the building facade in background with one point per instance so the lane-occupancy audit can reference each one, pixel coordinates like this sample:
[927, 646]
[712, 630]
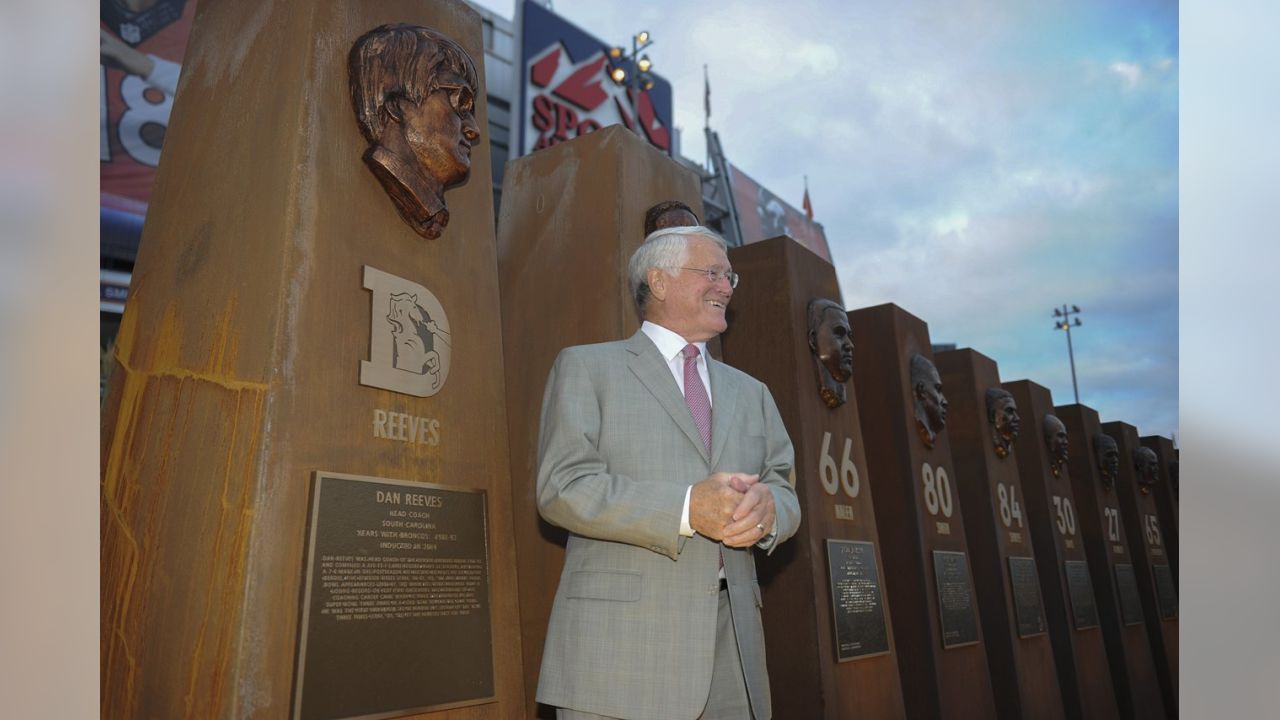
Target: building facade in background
[141, 45]
[546, 79]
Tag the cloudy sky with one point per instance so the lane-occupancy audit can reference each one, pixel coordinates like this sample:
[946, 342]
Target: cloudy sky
[977, 162]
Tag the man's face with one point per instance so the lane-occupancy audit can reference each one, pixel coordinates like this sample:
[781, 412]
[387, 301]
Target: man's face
[931, 398]
[692, 305]
[1055, 437]
[833, 346]
[1148, 466]
[441, 130]
[1007, 419]
[1108, 458]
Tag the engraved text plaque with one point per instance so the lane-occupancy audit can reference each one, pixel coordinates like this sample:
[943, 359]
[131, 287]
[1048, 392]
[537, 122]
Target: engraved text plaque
[955, 599]
[395, 611]
[1084, 609]
[1026, 596]
[1166, 592]
[857, 607]
[1127, 587]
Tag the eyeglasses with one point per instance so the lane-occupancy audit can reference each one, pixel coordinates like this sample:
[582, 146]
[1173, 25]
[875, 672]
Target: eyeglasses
[461, 97]
[714, 276]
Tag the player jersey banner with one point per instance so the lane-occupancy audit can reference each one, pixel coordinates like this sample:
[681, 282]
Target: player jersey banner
[565, 89]
[141, 46]
[763, 215]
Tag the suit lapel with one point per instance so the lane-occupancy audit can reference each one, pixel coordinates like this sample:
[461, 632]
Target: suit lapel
[655, 375]
[724, 403]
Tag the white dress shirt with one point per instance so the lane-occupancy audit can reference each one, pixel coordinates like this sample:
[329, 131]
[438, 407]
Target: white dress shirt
[671, 347]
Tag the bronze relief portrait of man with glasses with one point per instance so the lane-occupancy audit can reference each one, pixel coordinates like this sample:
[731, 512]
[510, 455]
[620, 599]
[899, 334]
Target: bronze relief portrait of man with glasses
[414, 91]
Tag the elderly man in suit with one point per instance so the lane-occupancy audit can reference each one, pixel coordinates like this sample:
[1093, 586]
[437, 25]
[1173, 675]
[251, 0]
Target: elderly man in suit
[667, 468]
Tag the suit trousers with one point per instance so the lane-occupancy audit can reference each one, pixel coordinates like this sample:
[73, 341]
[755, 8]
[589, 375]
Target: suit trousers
[728, 698]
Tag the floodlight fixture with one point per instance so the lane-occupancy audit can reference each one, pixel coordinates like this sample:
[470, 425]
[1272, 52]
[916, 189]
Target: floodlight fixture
[1066, 324]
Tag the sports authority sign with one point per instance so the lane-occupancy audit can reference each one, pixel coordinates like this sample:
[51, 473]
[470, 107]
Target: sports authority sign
[565, 89]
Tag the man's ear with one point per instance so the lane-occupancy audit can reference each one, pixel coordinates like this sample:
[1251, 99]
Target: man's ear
[813, 341]
[657, 280]
[393, 110]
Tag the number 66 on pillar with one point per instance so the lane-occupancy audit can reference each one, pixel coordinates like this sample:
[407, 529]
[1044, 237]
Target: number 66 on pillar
[846, 477]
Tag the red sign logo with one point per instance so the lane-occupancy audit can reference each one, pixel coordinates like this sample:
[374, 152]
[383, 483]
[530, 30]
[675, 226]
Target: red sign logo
[569, 99]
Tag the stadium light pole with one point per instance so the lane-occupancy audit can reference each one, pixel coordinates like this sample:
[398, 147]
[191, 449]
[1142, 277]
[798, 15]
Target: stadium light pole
[1062, 321]
[619, 58]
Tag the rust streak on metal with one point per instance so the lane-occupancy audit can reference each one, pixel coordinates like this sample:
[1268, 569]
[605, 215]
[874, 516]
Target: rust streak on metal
[166, 403]
[226, 556]
[165, 352]
[120, 550]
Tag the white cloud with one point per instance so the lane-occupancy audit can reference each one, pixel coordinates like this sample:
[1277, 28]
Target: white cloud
[818, 58]
[961, 162]
[956, 222]
[1129, 73]
[1065, 185]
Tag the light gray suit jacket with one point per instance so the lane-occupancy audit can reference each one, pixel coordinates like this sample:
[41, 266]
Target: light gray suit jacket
[632, 631]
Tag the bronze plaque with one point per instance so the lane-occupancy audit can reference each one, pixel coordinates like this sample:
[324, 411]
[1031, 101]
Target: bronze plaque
[1027, 605]
[1166, 592]
[857, 607]
[1127, 587]
[955, 599]
[1084, 609]
[395, 616]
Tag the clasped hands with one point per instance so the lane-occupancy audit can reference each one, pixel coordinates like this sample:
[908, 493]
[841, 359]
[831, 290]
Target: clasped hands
[734, 508]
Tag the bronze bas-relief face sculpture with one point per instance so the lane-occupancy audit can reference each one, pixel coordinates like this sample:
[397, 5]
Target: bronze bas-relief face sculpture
[1055, 441]
[832, 348]
[1107, 455]
[669, 213]
[929, 403]
[414, 93]
[1148, 467]
[1002, 415]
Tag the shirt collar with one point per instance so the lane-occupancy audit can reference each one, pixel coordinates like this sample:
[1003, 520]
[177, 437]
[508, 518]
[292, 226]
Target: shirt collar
[670, 343]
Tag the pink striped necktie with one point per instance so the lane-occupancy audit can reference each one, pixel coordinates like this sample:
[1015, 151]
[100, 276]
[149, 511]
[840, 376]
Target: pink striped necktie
[695, 395]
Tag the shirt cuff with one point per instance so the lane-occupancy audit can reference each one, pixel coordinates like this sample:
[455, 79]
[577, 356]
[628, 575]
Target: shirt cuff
[685, 528]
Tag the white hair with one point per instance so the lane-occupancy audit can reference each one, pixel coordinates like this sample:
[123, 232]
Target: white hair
[666, 249]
